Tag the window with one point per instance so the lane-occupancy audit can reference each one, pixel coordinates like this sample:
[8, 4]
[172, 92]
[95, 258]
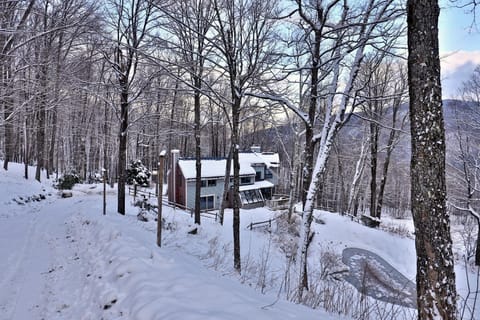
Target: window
[258, 176]
[207, 202]
[248, 196]
[245, 180]
[251, 196]
[209, 183]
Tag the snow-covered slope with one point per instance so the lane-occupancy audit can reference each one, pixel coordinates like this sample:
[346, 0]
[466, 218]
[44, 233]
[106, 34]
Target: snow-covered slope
[62, 259]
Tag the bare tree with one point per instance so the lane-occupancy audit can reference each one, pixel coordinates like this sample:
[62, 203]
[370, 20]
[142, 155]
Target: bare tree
[244, 44]
[464, 195]
[191, 22]
[130, 23]
[384, 86]
[330, 108]
[13, 17]
[337, 37]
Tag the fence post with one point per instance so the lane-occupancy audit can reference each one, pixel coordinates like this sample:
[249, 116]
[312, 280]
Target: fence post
[160, 193]
[134, 190]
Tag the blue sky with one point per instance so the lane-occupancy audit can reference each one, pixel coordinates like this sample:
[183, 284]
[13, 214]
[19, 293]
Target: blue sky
[459, 41]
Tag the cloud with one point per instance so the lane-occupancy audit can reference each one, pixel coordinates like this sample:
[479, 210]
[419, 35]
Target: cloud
[457, 67]
[451, 61]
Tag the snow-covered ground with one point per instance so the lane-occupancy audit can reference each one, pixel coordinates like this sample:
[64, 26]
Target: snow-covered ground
[62, 259]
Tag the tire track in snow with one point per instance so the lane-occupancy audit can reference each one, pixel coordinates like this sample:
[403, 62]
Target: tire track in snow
[30, 284]
[12, 282]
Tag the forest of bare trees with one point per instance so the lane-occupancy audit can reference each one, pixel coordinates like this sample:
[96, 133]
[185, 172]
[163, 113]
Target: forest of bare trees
[87, 85]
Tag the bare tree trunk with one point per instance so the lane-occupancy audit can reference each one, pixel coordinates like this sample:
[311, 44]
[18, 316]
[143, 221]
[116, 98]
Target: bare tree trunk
[51, 149]
[53, 137]
[355, 187]
[226, 187]
[390, 146]
[131, 20]
[436, 291]
[41, 118]
[198, 152]
[236, 182]
[122, 148]
[373, 167]
[312, 110]
[294, 169]
[26, 146]
[105, 142]
[7, 109]
[171, 122]
[341, 198]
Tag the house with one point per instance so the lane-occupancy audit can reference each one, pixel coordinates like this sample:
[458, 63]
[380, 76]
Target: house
[258, 177]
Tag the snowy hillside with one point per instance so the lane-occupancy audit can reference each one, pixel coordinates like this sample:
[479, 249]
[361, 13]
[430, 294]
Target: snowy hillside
[62, 259]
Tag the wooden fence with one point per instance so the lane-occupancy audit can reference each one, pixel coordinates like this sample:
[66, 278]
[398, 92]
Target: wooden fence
[261, 224]
[135, 192]
[278, 202]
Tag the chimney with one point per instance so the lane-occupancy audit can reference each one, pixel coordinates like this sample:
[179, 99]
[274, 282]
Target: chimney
[256, 149]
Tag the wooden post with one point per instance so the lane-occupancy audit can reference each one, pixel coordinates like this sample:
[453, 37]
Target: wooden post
[156, 186]
[104, 171]
[160, 194]
[134, 190]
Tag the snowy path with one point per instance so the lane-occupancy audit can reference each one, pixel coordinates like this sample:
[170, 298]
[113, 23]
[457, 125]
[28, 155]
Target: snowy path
[34, 246]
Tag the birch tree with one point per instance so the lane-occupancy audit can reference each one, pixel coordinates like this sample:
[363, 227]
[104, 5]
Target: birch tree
[436, 291]
[337, 37]
[374, 15]
[337, 34]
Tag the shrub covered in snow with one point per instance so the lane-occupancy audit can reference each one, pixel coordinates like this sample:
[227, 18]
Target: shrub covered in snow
[68, 180]
[138, 172]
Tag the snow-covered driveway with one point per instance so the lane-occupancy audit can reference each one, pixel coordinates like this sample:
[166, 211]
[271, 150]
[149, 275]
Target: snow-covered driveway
[35, 248]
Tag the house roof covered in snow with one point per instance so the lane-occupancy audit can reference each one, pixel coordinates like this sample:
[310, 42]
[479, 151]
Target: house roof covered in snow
[270, 159]
[211, 168]
[216, 167]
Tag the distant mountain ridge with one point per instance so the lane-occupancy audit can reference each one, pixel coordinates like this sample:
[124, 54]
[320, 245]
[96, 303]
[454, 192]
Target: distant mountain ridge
[459, 116]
